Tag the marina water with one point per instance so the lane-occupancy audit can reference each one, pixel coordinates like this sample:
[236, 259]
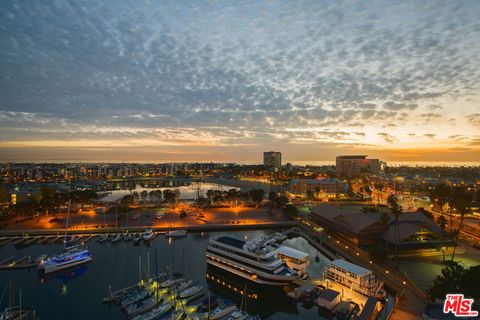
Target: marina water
[78, 293]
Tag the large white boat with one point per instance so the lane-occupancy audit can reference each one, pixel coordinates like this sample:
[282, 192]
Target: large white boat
[70, 258]
[254, 260]
[355, 277]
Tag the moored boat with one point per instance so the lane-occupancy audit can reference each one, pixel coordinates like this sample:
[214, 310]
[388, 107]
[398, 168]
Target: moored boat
[184, 285]
[141, 306]
[115, 238]
[103, 238]
[170, 283]
[238, 315]
[222, 311]
[176, 233]
[155, 313]
[135, 297]
[70, 258]
[148, 234]
[253, 260]
[137, 238]
[191, 291]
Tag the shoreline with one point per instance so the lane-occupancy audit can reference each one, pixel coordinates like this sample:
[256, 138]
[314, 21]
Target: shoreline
[190, 228]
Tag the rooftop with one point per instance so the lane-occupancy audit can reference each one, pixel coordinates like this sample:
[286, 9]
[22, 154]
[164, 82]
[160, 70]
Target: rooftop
[361, 271]
[231, 241]
[328, 295]
[293, 253]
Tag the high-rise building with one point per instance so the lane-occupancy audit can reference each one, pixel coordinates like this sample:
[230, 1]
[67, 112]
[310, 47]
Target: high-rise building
[272, 159]
[352, 166]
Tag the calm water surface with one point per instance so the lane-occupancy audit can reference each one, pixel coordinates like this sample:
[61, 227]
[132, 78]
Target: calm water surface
[78, 294]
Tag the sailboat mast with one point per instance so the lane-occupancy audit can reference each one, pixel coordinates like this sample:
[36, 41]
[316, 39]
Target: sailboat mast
[139, 269]
[148, 266]
[156, 273]
[20, 302]
[66, 225]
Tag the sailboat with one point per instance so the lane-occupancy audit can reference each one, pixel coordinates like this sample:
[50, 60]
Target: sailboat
[71, 257]
[16, 312]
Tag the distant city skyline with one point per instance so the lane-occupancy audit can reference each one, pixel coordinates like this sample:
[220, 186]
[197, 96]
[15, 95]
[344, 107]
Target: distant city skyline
[224, 82]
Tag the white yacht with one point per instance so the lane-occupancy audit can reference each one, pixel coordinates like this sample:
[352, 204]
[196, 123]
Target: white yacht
[355, 277]
[254, 260]
[148, 234]
[70, 258]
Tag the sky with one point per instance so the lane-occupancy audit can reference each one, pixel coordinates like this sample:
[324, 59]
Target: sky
[226, 80]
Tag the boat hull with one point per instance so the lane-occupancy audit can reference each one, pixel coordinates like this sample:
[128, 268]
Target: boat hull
[246, 275]
[60, 267]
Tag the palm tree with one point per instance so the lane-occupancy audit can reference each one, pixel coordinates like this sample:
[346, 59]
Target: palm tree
[317, 191]
[463, 207]
[397, 211]
[441, 195]
[379, 186]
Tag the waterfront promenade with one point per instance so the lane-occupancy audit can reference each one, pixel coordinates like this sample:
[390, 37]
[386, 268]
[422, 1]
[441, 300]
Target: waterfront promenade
[238, 218]
[411, 298]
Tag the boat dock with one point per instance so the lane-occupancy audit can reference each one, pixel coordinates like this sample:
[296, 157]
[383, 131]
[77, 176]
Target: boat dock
[7, 261]
[22, 263]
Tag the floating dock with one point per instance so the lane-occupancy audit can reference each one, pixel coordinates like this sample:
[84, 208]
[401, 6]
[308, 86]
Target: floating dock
[22, 263]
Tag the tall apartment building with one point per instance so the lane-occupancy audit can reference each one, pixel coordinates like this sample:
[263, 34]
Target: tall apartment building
[272, 159]
[354, 165]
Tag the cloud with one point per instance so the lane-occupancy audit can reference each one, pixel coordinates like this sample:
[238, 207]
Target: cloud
[474, 119]
[391, 105]
[220, 71]
[387, 137]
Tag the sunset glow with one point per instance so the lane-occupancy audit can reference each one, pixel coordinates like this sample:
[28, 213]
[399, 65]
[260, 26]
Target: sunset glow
[219, 81]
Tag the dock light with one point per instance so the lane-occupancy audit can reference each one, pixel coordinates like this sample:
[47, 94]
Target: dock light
[386, 271]
[404, 282]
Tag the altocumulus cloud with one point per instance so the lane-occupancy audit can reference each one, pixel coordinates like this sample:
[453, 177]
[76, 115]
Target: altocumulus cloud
[245, 72]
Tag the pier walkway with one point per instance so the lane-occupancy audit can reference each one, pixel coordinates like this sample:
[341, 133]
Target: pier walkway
[412, 296]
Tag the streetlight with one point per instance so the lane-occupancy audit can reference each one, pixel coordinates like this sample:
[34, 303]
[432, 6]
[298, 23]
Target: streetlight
[386, 305]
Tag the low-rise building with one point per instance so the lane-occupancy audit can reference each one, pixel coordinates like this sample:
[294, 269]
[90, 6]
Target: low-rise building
[415, 230]
[355, 277]
[329, 299]
[295, 259]
[321, 188]
[354, 165]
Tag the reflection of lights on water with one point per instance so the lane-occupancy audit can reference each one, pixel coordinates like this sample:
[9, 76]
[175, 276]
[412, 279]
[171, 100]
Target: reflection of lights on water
[64, 289]
[229, 286]
[169, 240]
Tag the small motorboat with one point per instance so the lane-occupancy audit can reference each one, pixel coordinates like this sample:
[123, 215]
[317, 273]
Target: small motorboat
[170, 283]
[184, 285]
[141, 306]
[238, 315]
[176, 233]
[137, 238]
[148, 234]
[156, 313]
[117, 237]
[222, 311]
[190, 291]
[103, 238]
[137, 296]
